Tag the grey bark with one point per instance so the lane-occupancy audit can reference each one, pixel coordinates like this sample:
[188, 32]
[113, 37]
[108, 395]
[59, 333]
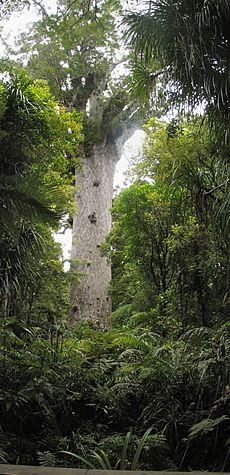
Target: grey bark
[92, 222]
[91, 225]
[90, 299]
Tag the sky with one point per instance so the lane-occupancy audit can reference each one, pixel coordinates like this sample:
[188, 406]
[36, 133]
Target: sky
[11, 29]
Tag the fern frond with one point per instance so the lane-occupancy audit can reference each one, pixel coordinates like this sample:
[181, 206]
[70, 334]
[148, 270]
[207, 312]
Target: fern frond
[206, 425]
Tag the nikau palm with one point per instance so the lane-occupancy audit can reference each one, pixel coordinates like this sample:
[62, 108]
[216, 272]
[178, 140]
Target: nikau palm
[192, 41]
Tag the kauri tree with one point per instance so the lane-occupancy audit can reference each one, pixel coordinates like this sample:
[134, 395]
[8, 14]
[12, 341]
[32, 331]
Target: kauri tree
[75, 51]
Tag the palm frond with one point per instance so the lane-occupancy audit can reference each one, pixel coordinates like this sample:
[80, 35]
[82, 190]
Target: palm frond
[192, 40]
[17, 203]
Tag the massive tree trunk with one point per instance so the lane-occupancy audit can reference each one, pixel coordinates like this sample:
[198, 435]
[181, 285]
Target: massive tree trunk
[79, 73]
[91, 225]
[104, 138]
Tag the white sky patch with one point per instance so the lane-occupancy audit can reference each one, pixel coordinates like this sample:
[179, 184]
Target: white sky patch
[15, 25]
[131, 151]
[20, 22]
[65, 239]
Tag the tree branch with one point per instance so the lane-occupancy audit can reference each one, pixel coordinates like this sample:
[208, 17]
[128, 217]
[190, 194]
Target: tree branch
[206, 193]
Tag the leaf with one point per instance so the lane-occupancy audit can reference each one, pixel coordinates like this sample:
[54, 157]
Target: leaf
[205, 426]
[102, 459]
[46, 459]
[78, 457]
[140, 447]
[128, 438]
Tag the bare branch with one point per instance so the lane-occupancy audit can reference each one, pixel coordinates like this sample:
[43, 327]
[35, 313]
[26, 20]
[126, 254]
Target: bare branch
[38, 3]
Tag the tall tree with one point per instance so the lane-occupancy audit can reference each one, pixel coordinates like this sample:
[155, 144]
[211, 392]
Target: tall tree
[75, 51]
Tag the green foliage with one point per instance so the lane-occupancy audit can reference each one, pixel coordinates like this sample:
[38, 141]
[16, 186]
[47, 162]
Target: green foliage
[75, 51]
[152, 393]
[98, 394]
[168, 244]
[8, 6]
[92, 134]
[122, 463]
[206, 425]
[191, 43]
[36, 128]
[37, 137]
[72, 49]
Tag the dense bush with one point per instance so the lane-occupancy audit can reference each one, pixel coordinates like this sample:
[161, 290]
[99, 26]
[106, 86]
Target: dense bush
[85, 396]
